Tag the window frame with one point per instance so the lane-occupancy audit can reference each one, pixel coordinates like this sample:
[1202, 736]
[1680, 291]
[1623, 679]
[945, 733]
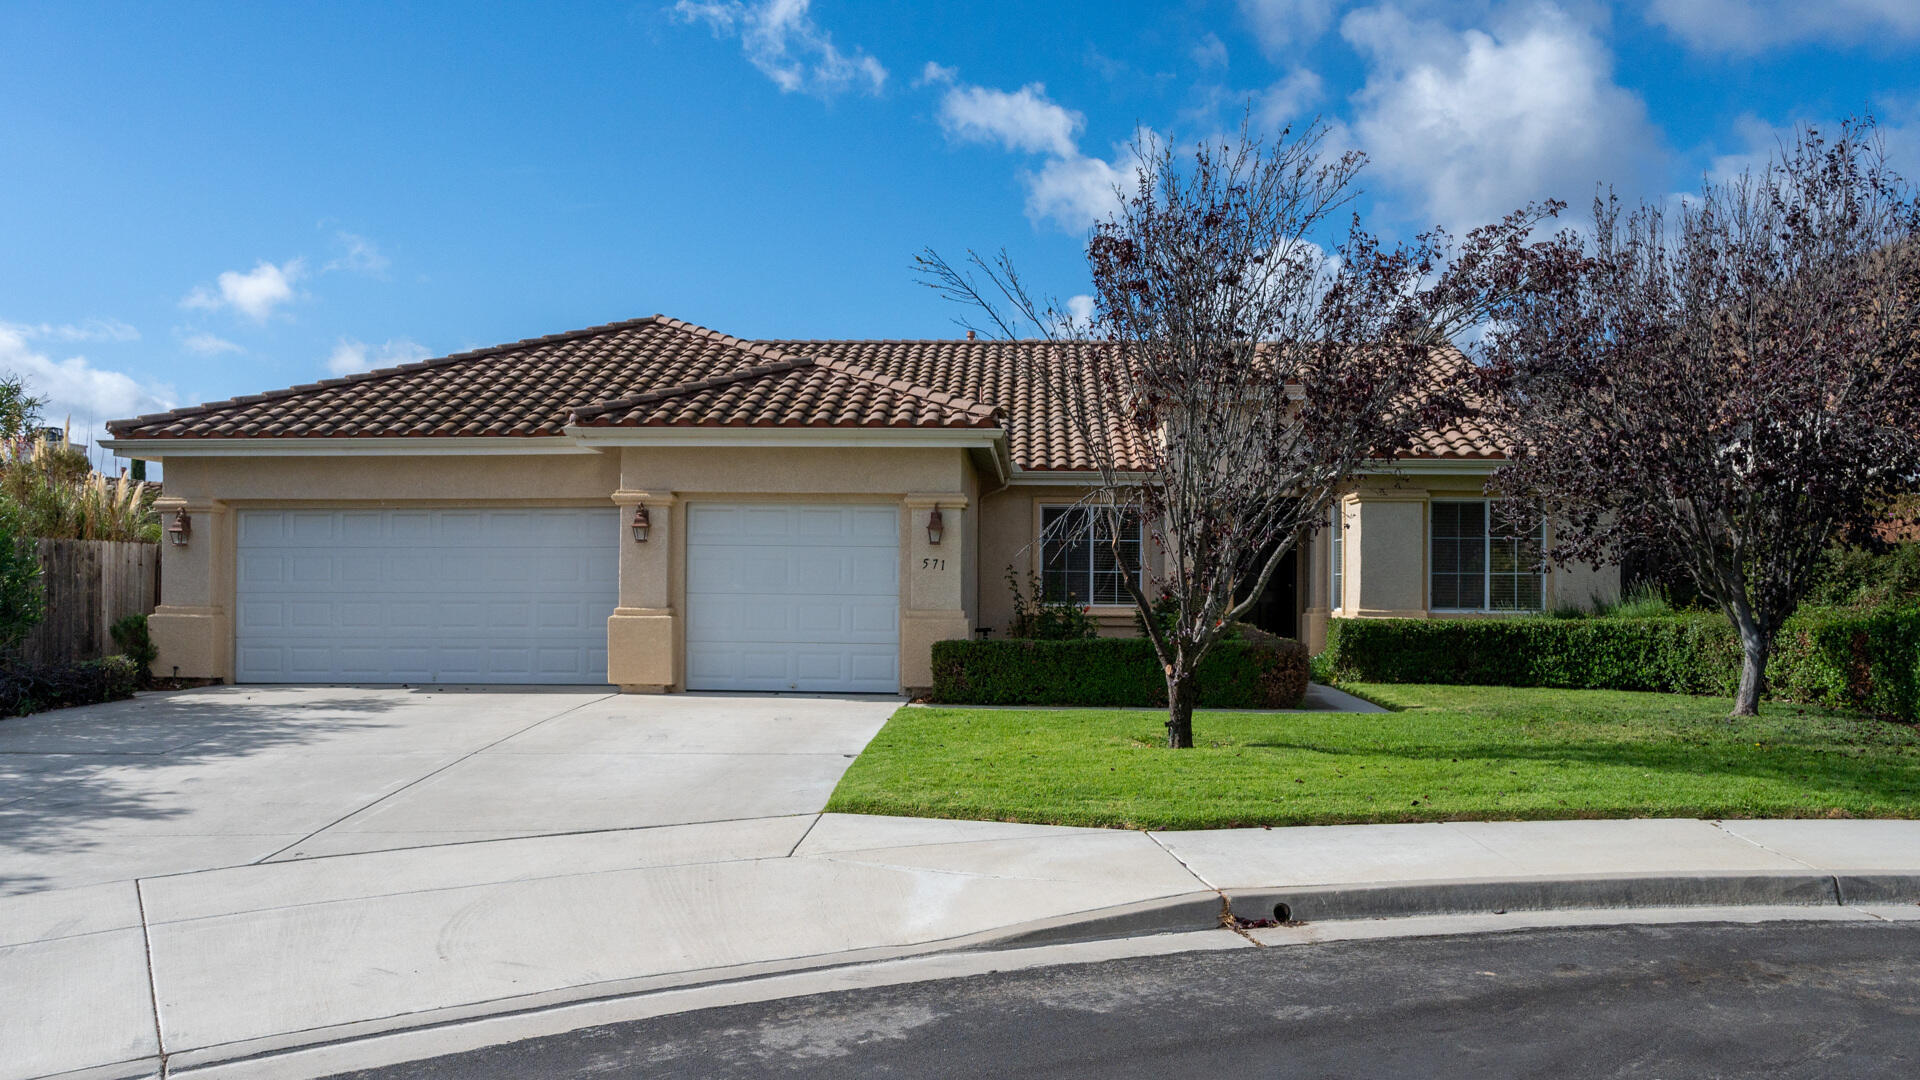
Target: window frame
[1487, 538]
[1040, 553]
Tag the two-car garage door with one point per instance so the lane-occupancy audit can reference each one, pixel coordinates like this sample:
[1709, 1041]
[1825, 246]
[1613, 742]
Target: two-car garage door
[779, 597]
[474, 595]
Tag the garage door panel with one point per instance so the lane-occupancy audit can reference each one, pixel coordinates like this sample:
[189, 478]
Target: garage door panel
[793, 598]
[310, 527]
[426, 595]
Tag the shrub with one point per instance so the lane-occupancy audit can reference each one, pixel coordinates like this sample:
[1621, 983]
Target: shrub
[60, 497]
[1684, 654]
[22, 600]
[1855, 661]
[1039, 619]
[1850, 577]
[1644, 601]
[27, 690]
[130, 635]
[1834, 658]
[1252, 670]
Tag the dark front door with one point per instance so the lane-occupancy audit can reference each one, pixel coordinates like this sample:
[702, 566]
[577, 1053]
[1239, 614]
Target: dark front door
[1278, 609]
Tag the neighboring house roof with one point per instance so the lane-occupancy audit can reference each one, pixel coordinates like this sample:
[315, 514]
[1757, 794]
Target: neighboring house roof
[662, 372]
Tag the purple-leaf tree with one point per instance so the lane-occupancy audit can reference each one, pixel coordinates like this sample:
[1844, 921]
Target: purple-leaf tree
[1736, 379]
[1235, 371]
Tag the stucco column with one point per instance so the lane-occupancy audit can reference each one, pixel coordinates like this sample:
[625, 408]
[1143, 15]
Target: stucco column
[1317, 558]
[640, 632]
[932, 601]
[192, 626]
[1386, 573]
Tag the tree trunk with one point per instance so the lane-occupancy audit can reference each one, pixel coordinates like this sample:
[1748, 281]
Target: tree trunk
[1754, 648]
[1180, 695]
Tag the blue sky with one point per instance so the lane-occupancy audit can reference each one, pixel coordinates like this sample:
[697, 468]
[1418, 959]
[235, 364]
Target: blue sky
[202, 200]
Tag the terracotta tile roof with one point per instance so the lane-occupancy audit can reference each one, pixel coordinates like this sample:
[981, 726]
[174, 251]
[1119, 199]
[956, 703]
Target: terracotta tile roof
[1040, 434]
[659, 371]
[526, 388]
[799, 392]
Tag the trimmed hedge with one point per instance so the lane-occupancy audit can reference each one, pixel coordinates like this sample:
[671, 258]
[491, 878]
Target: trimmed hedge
[30, 690]
[1252, 671]
[1846, 660]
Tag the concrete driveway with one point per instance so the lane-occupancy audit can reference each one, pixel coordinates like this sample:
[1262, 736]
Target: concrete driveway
[227, 776]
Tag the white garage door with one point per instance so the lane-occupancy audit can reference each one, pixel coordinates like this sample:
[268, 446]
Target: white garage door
[449, 596]
[793, 598]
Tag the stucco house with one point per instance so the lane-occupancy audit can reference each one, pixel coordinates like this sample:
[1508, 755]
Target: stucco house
[660, 506]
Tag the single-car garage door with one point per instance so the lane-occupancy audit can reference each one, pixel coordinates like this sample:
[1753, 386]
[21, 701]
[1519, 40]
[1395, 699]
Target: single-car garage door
[452, 596]
[793, 598]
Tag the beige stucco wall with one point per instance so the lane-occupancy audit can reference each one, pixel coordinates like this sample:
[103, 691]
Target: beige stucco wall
[646, 639]
[1387, 556]
[946, 591]
[1009, 524]
[193, 627]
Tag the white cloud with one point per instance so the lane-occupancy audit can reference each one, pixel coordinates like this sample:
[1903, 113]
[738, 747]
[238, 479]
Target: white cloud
[74, 388]
[254, 294]
[1476, 124]
[1022, 119]
[1077, 192]
[1070, 187]
[350, 356]
[1750, 26]
[1210, 52]
[1287, 101]
[1280, 24]
[781, 39]
[1080, 308]
[357, 254]
[936, 75]
[92, 330]
[1756, 142]
[205, 344]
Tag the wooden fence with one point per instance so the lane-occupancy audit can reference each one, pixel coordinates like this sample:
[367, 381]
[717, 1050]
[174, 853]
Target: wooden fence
[90, 584]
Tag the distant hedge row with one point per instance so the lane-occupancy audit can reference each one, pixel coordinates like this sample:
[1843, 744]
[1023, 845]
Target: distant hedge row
[1254, 671]
[1867, 661]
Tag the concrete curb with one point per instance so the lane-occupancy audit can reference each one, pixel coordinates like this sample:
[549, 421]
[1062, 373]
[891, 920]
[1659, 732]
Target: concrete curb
[1469, 896]
[1176, 914]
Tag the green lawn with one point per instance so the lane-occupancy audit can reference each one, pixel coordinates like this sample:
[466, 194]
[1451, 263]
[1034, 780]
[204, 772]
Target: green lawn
[1448, 752]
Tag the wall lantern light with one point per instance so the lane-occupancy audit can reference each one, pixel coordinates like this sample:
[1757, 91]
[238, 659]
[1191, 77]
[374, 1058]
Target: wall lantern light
[935, 526]
[180, 529]
[641, 523]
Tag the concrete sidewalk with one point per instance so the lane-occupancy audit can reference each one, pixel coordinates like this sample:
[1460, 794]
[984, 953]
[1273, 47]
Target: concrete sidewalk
[230, 964]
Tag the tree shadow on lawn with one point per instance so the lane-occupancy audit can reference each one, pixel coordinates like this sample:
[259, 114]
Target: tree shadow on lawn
[69, 777]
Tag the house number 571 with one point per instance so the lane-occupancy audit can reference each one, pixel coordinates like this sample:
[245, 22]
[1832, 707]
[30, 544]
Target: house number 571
[933, 564]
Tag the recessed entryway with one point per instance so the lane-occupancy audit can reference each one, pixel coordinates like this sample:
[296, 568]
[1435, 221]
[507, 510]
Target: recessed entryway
[793, 597]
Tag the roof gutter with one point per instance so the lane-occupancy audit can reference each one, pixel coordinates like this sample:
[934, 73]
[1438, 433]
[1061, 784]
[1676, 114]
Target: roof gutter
[270, 446]
[958, 438]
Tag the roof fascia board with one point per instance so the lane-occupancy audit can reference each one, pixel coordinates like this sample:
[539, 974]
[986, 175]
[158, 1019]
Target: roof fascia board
[269, 446]
[1069, 477]
[1431, 466]
[795, 436]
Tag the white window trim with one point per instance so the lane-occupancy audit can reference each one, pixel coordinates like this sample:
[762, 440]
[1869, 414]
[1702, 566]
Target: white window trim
[1337, 558]
[1040, 553]
[1486, 569]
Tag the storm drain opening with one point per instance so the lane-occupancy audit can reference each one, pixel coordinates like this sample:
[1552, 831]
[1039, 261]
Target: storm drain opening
[1282, 916]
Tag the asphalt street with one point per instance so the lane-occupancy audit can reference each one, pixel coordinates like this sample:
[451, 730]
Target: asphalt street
[1701, 1000]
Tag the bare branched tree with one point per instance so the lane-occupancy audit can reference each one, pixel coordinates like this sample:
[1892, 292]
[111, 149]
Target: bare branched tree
[1235, 372]
[1739, 379]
